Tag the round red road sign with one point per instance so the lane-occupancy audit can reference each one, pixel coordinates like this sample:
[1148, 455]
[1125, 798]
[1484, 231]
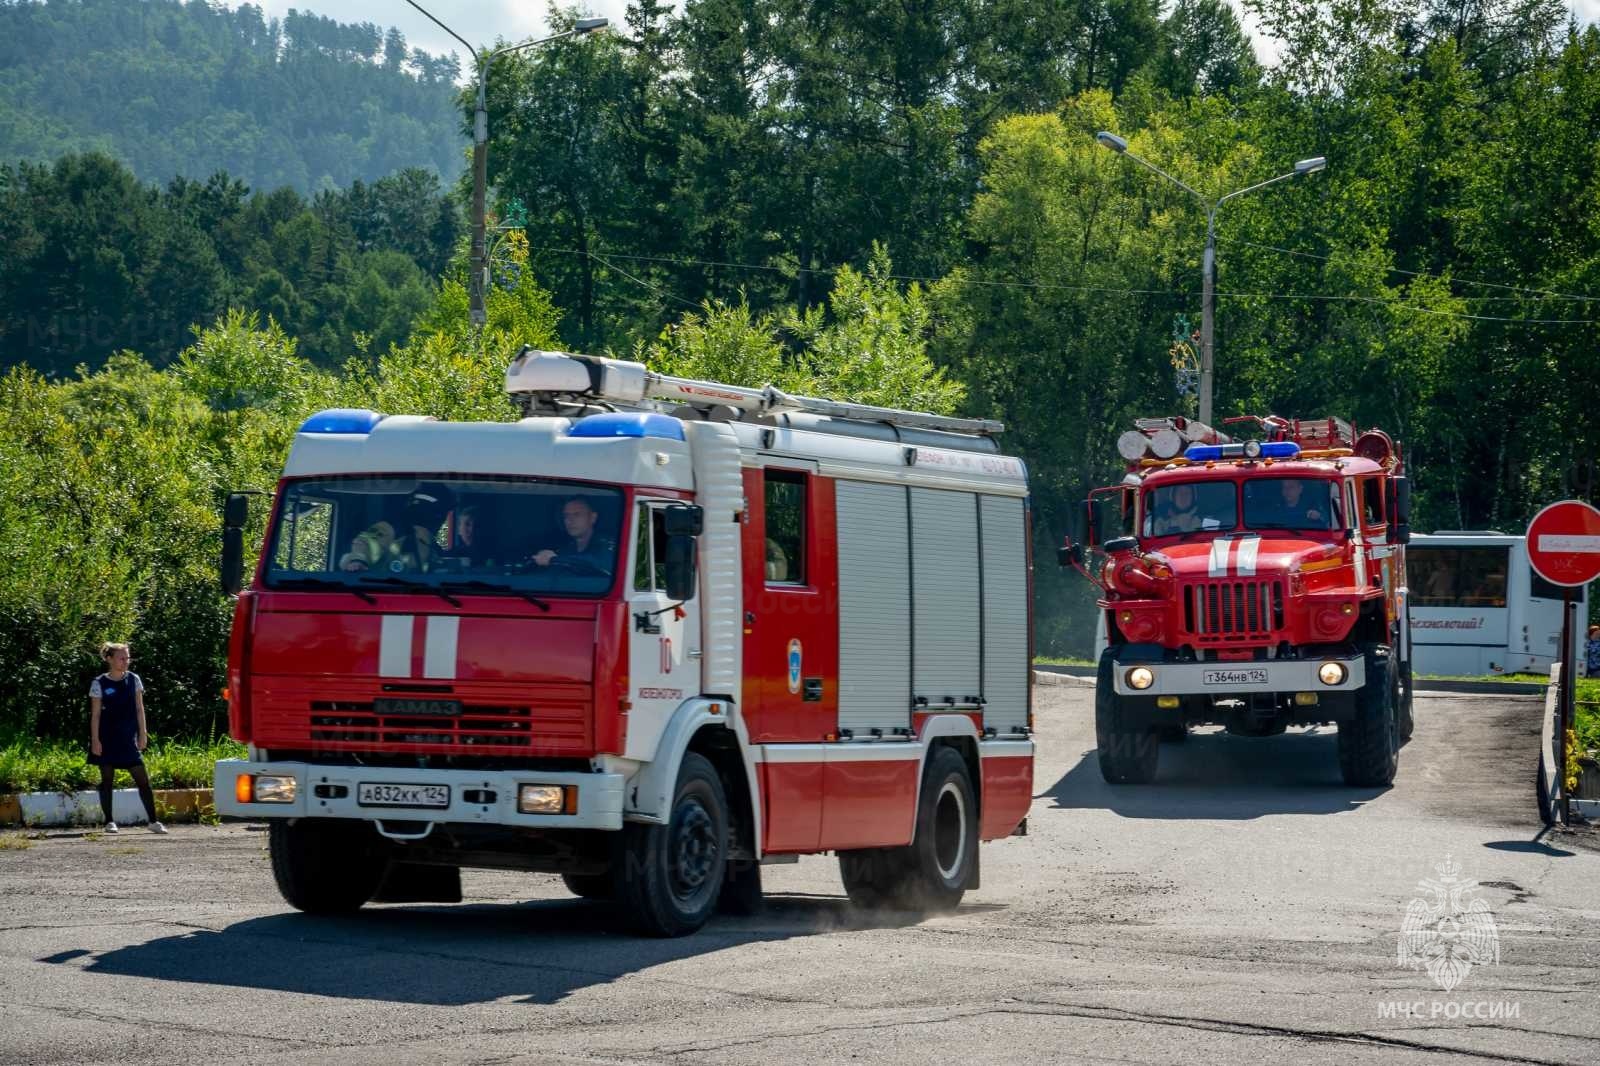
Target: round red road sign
[1564, 543]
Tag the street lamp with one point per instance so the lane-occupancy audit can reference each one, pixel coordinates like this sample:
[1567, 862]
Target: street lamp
[478, 282]
[1209, 264]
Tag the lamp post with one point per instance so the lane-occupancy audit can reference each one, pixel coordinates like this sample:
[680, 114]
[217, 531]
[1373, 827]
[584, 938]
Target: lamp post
[478, 282]
[1209, 263]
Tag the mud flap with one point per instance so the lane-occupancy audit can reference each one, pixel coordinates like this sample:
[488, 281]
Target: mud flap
[415, 882]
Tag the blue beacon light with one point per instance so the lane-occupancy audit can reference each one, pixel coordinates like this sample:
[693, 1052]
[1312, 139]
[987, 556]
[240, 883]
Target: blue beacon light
[342, 420]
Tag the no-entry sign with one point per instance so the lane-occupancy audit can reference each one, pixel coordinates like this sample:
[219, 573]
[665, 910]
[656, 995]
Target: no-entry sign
[1564, 543]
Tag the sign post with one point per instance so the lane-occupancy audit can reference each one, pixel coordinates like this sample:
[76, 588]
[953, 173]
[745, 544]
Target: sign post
[1564, 549]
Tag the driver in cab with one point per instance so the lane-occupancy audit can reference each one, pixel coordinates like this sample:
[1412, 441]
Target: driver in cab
[1294, 510]
[584, 549]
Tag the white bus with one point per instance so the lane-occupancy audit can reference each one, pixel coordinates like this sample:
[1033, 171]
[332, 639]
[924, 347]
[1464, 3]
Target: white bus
[1477, 607]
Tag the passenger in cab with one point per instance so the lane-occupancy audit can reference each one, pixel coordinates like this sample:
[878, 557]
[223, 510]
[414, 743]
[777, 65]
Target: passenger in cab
[1294, 510]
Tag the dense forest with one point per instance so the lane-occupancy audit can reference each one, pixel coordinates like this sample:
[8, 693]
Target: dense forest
[903, 202]
[186, 89]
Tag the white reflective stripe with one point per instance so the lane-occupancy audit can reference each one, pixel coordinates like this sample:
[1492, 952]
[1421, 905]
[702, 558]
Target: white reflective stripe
[394, 646]
[1247, 556]
[848, 751]
[439, 646]
[1218, 565]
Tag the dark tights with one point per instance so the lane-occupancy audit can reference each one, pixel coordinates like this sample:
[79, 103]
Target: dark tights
[141, 778]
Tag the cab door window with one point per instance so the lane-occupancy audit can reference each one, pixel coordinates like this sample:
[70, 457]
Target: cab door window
[649, 550]
[784, 499]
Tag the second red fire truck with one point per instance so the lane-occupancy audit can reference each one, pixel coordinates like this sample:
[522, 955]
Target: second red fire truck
[651, 636]
[1257, 584]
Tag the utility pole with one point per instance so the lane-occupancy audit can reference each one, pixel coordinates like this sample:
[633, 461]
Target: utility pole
[1208, 264]
[478, 281]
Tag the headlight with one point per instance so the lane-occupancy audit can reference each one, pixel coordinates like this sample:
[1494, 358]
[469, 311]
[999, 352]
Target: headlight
[541, 799]
[1141, 677]
[1332, 673]
[266, 788]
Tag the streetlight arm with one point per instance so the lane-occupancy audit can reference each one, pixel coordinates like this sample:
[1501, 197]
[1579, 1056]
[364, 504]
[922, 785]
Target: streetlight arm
[1258, 185]
[1151, 166]
[470, 50]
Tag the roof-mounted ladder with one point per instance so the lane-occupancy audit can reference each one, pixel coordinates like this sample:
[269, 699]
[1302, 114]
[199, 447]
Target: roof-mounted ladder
[562, 376]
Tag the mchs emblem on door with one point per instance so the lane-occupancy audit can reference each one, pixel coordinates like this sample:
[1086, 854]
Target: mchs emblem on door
[794, 665]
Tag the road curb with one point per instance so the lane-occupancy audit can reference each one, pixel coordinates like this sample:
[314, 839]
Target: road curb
[1050, 678]
[83, 808]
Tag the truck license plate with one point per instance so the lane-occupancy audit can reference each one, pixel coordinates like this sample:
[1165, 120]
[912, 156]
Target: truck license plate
[1253, 676]
[385, 794]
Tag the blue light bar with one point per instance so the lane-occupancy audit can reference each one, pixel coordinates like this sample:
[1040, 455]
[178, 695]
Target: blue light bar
[342, 420]
[628, 424]
[1250, 449]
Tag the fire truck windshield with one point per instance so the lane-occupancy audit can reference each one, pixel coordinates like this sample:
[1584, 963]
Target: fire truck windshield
[455, 534]
[1190, 507]
[1292, 503]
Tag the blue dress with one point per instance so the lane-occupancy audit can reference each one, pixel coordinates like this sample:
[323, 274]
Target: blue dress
[119, 721]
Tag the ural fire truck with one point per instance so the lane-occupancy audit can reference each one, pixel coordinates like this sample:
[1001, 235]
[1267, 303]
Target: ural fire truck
[1257, 584]
[651, 636]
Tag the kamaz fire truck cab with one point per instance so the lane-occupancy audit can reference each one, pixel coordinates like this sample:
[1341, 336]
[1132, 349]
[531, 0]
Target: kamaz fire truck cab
[654, 634]
[1259, 584]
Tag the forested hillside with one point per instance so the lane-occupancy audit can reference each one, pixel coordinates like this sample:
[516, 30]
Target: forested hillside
[93, 261]
[187, 89]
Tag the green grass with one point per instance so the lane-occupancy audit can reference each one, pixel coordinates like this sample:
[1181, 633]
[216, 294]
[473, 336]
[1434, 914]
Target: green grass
[1051, 660]
[56, 766]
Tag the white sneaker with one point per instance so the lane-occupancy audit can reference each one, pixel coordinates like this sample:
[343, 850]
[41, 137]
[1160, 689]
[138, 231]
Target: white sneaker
[111, 827]
[157, 828]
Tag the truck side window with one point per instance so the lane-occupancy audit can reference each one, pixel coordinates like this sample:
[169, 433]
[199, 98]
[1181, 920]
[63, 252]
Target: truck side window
[650, 550]
[1372, 501]
[785, 499]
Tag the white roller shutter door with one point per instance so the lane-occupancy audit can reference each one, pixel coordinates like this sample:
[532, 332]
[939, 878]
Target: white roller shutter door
[874, 608]
[1005, 613]
[944, 580]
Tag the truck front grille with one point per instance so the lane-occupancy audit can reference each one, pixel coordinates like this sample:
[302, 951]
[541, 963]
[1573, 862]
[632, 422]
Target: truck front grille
[1216, 612]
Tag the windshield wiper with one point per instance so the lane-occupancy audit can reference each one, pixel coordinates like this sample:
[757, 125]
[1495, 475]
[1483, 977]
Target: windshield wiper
[321, 583]
[489, 586]
[420, 586]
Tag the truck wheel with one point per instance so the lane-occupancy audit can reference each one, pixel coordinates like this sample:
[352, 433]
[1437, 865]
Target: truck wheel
[1369, 744]
[325, 867]
[670, 875]
[589, 886]
[932, 873]
[1128, 755]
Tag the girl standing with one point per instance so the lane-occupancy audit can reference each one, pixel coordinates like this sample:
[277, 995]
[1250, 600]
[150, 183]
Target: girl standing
[117, 732]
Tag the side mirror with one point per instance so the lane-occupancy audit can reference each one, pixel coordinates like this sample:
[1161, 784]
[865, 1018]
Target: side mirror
[1070, 554]
[236, 511]
[1091, 524]
[1402, 533]
[1402, 501]
[680, 563]
[232, 560]
[684, 520]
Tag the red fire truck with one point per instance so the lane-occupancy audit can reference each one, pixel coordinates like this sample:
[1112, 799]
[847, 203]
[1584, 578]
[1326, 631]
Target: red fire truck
[1257, 584]
[651, 636]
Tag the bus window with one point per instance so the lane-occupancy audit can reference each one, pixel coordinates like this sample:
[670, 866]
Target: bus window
[1458, 577]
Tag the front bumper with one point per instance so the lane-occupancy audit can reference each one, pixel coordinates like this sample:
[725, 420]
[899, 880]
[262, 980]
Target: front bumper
[599, 800]
[1239, 679]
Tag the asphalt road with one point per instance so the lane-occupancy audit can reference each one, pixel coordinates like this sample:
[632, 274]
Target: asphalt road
[1247, 907]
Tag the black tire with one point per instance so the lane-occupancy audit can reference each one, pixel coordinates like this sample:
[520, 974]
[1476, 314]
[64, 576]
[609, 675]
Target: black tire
[590, 886]
[325, 867]
[1128, 755]
[932, 873]
[1174, 734]
[670, 876]
[1369, 743]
